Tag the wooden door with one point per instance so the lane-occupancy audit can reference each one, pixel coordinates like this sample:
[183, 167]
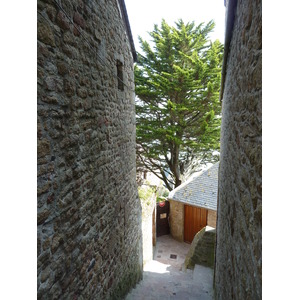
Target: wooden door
[162, 218]
[195, 219]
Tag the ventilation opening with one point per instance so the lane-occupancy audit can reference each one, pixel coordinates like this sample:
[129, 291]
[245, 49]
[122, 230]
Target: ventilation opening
[120, 75]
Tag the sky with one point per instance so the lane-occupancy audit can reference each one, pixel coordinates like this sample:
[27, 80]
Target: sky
[143, 14]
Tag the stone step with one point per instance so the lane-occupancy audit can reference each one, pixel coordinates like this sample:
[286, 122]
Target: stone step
[175, 284]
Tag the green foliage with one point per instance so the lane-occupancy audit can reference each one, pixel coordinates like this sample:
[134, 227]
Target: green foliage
[162, 193]
[178, 110]
[146, 193]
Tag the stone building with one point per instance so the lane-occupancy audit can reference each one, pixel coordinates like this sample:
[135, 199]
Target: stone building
[193, 204]
[89, 243]
[238, 265]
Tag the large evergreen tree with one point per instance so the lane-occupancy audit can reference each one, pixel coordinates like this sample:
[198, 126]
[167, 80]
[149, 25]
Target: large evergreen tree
[178, 110]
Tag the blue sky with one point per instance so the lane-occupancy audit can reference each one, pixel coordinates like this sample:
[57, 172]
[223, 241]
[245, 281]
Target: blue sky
[144, 14]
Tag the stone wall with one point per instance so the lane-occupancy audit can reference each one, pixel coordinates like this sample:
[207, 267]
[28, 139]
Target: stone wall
[177, 220]
[154, 227]
[239, 225]
[148, 210]
[89, 242]
[202, 250]
[212, 218]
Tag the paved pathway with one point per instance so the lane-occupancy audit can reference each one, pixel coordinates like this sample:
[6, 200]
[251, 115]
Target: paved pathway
[164, 277]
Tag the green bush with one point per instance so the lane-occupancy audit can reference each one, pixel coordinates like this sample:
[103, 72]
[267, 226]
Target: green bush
[146, 193]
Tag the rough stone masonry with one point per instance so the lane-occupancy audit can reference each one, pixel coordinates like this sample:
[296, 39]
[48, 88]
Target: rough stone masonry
[88, 212]
[238, 270]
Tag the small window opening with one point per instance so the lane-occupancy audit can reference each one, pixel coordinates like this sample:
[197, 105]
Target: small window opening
[120, 75]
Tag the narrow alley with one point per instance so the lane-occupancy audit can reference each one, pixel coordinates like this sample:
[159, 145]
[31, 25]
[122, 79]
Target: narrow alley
[166, 278]
[107, 114]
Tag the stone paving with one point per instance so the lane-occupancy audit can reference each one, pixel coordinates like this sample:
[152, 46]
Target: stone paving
[165, 277]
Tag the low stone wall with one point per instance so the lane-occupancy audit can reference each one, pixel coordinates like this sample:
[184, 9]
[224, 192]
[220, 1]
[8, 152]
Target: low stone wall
[202, 250]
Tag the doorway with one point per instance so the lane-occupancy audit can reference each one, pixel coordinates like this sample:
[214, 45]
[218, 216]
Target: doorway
[195, 218]
[162, 218]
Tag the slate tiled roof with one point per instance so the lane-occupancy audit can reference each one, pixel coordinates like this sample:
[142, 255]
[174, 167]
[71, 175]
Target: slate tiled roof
[200, 191]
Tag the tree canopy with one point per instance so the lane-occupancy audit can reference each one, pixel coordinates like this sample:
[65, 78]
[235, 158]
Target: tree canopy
[177, 107]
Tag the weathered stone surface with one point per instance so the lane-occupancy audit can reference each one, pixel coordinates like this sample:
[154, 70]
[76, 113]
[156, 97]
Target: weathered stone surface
[42, 216]
[239, 227]
[43, 188]
[45, 34]
[177, 220]
[212, 218]
[46, 243]
[56, 241]
[39, 247]
[88, 211]
[79, 20]
[62, 21]
[82, 93]
[202, 250]
[50, 99]
[51, 12]
[43, 147]
[43, 259]
[69, 87]
[45, 274]
[62, 68]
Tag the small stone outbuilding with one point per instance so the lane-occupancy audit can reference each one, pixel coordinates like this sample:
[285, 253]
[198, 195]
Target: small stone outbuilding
[193, 205]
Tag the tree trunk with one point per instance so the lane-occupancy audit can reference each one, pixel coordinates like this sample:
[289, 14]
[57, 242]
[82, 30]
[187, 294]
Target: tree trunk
[177, 182]
[176, 169]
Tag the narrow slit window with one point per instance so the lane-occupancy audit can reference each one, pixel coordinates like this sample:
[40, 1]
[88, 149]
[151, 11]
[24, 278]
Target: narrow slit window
[120, 76]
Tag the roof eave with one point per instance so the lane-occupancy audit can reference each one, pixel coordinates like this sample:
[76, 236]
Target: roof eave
[192, 204]
[128, 29]
[230, 16]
